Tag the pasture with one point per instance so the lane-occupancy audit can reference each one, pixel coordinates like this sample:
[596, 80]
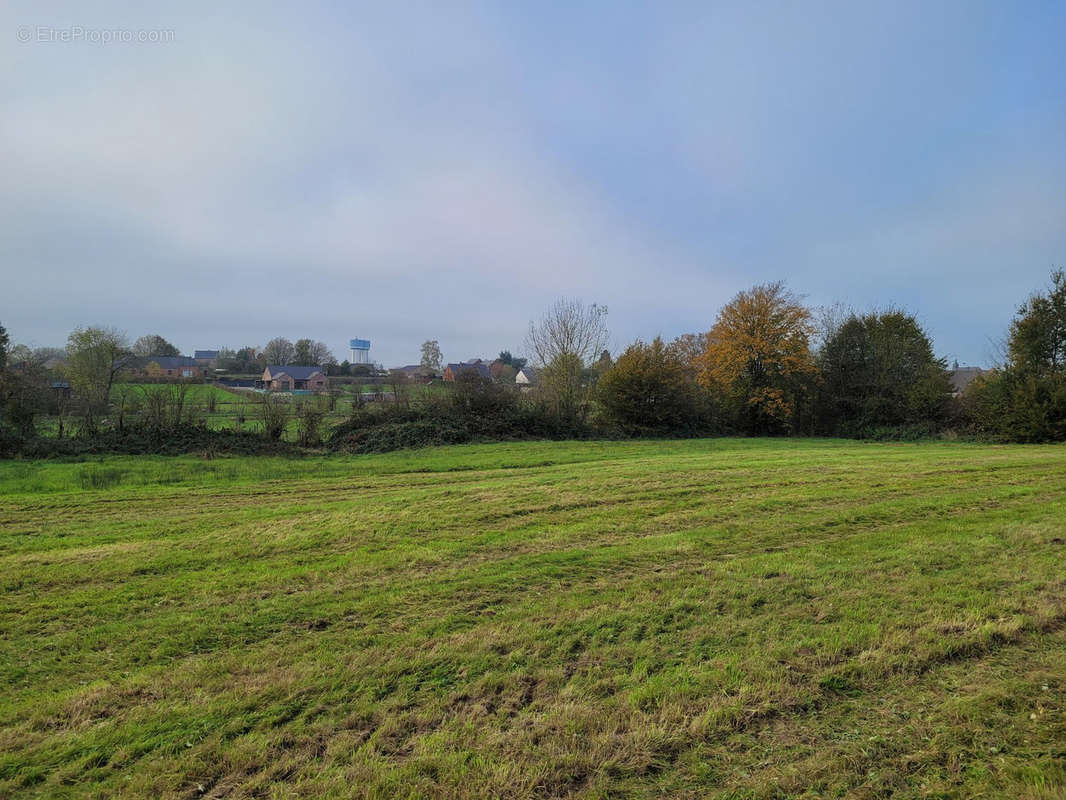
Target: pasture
[712, 618]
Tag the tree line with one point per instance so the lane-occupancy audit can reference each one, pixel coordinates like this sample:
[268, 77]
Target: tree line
[769, 365]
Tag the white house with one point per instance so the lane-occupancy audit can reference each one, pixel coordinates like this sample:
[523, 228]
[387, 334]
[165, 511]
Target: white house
[526, 378]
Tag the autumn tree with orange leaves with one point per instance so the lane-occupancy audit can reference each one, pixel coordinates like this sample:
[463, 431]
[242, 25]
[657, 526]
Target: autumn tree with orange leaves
[758, 359]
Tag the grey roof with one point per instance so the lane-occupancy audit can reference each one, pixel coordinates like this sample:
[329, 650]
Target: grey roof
[481, 369]
[963, 376]
[299, 373]
[206, 354]
[170, 362]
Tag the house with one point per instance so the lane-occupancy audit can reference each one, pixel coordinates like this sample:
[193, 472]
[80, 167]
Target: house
[481, 369]
[290, 377]
[172, 367]
[206, 357]
[415, 373]
[961, 377]
[61, 390]
[526, 378]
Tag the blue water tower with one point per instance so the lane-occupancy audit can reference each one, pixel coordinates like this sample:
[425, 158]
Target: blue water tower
[360, 351]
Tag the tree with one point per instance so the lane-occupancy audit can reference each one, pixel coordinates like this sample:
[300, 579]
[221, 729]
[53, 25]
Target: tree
[504, 373]
[311, 353]
[23, 390]
[279, 351]
[879, 370]
[758, 357]
[432, 361]
[1037, 341]
[691, 347]
[1025, 399]
[42, 355]
[301, 352]
[649, 388]
[514, 362]
[401, 389]
[95, 356]
[827, 321]
[564, 343]
[153, 344]
[321, 355]
[603, 363]
[569, 327]
[23, 394]
[20, 354]
[475, 396]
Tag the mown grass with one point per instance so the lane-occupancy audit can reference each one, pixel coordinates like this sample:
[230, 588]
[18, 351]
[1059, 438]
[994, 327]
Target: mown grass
[715, 618]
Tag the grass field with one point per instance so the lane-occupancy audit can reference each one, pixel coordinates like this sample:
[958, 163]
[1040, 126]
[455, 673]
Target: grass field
[222, 409]
[713, 618]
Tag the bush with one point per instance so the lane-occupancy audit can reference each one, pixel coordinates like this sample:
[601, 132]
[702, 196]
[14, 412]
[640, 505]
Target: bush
[651, 389]
[11, 441]
[274, 411]
[450, 420]
[309, 418]
[142, 440]
[1026, 400]
[1009, 406]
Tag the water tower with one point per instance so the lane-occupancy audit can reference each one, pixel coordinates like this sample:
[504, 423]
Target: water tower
[360, 351]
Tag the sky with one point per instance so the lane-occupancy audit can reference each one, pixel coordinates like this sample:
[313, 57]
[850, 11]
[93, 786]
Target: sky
[411, 171]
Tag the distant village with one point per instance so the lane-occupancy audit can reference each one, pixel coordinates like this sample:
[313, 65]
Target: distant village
[249, 368]
[754, 372]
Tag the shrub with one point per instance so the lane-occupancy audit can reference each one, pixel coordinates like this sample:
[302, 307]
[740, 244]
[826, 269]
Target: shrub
[454, 419]
[1025, 401]
[651, 389]
[878, 371]
[274, 411]
[1008, 405]
[309, 418]
[142, 440]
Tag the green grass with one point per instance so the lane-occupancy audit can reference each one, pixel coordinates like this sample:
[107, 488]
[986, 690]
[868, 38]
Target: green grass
[713, 618]
[222, 409]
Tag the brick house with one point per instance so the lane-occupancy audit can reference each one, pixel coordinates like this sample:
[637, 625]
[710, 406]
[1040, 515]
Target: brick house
[289, 377]
[173, 367]
[480, 368]
[206, 358]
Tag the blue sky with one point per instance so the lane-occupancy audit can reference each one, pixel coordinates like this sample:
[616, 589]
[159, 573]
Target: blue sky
[412, 171]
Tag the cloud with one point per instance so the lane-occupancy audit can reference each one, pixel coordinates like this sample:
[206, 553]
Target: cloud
[418, 172]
